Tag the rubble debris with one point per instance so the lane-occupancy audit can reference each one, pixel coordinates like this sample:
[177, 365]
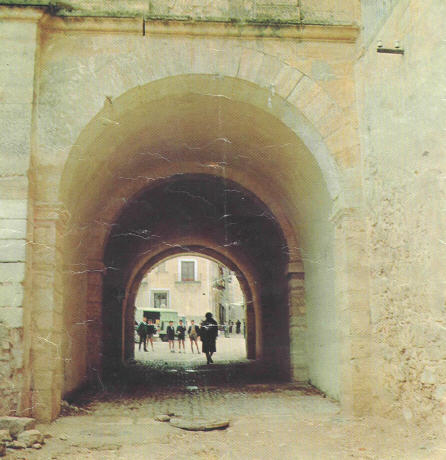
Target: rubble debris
[31, 437]
[16, 425]
[5, 436]
[16, 445]
[199, 423]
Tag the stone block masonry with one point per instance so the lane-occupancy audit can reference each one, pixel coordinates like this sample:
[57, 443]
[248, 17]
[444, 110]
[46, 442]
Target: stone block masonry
[18, 35]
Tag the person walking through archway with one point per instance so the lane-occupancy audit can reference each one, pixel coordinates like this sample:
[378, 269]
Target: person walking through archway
[142, 332]
[181, 330]
[193, 332]
[208, 335]
[151, 331]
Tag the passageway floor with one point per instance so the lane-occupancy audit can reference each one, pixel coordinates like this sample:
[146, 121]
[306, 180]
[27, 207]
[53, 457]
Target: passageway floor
[268, 421]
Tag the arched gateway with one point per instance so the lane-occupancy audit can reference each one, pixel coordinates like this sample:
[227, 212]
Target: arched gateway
[215, 164]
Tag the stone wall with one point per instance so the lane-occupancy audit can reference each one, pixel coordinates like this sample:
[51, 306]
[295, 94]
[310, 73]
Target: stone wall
[402, 106]
[97, 87]
[294, 11]
[17, 63]
[373, 16]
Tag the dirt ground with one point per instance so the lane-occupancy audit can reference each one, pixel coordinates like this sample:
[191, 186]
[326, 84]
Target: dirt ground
[267, 421]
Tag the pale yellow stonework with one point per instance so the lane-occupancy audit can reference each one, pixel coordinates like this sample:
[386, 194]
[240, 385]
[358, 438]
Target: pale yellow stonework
[290, 100]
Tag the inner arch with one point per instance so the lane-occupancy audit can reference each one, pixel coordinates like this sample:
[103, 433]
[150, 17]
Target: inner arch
[174, 300]
[221, 218]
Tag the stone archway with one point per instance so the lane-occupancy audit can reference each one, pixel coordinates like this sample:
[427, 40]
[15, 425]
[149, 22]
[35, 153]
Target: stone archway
[157, 131]
[186, 211]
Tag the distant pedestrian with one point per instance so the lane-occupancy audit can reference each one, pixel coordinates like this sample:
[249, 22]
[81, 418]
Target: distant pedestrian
[142, 332]
[181, 331]
[237, 326]
[194, 333]
[151, 331]
[230, 326]
[171, 336]
[208, 335]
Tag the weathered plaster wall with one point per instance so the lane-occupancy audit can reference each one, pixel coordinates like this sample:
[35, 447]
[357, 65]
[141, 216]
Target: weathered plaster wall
[17, 63]
[82, 69]
[403, 137]
[295, 88]
[322, 337]
[300, 11]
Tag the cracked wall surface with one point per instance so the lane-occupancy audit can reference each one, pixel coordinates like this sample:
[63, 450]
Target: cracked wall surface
[115, 109]
[296, 11]
[403, 137]
[341, 144]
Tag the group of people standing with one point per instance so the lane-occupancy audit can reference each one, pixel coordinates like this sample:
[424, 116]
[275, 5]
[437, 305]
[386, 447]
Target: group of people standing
[207, 332]
[193, 332]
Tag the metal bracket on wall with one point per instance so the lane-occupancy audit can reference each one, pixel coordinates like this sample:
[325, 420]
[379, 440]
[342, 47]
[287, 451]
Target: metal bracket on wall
[395, 50]
[390, 50]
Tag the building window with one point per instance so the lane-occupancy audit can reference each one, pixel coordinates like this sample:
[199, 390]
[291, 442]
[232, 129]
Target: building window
[187, 270]
[160, 299]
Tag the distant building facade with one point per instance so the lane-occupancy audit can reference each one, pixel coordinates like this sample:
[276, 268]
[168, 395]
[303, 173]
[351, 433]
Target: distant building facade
[192, 286]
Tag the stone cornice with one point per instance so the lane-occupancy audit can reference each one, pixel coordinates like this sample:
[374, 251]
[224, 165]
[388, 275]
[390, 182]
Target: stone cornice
[16, 13]
[184, 26]
[151, 27]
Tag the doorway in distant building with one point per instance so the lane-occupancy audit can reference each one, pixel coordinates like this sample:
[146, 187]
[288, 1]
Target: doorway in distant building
[178, 292]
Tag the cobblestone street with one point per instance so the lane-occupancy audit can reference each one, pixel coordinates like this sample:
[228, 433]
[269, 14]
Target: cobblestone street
[267, 420]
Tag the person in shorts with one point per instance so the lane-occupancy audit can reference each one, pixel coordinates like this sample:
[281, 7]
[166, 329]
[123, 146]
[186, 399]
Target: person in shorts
[151, 331]
[194, 333]
[171, 336]
[181, 330]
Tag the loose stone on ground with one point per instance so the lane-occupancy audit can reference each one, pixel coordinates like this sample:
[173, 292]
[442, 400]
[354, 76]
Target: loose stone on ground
[5, 436]
[16, 445]
[16, 425]
[198, 423]
[31, 437]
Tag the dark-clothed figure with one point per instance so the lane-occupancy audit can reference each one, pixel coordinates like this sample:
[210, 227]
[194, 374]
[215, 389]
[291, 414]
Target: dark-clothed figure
[181, 330]
[142, 332]
[194, 333]
[208, 335]
[171, 336]
[151, 330]
[237, 326]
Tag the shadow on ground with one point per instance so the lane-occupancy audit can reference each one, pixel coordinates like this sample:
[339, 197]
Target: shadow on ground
[138, 379]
